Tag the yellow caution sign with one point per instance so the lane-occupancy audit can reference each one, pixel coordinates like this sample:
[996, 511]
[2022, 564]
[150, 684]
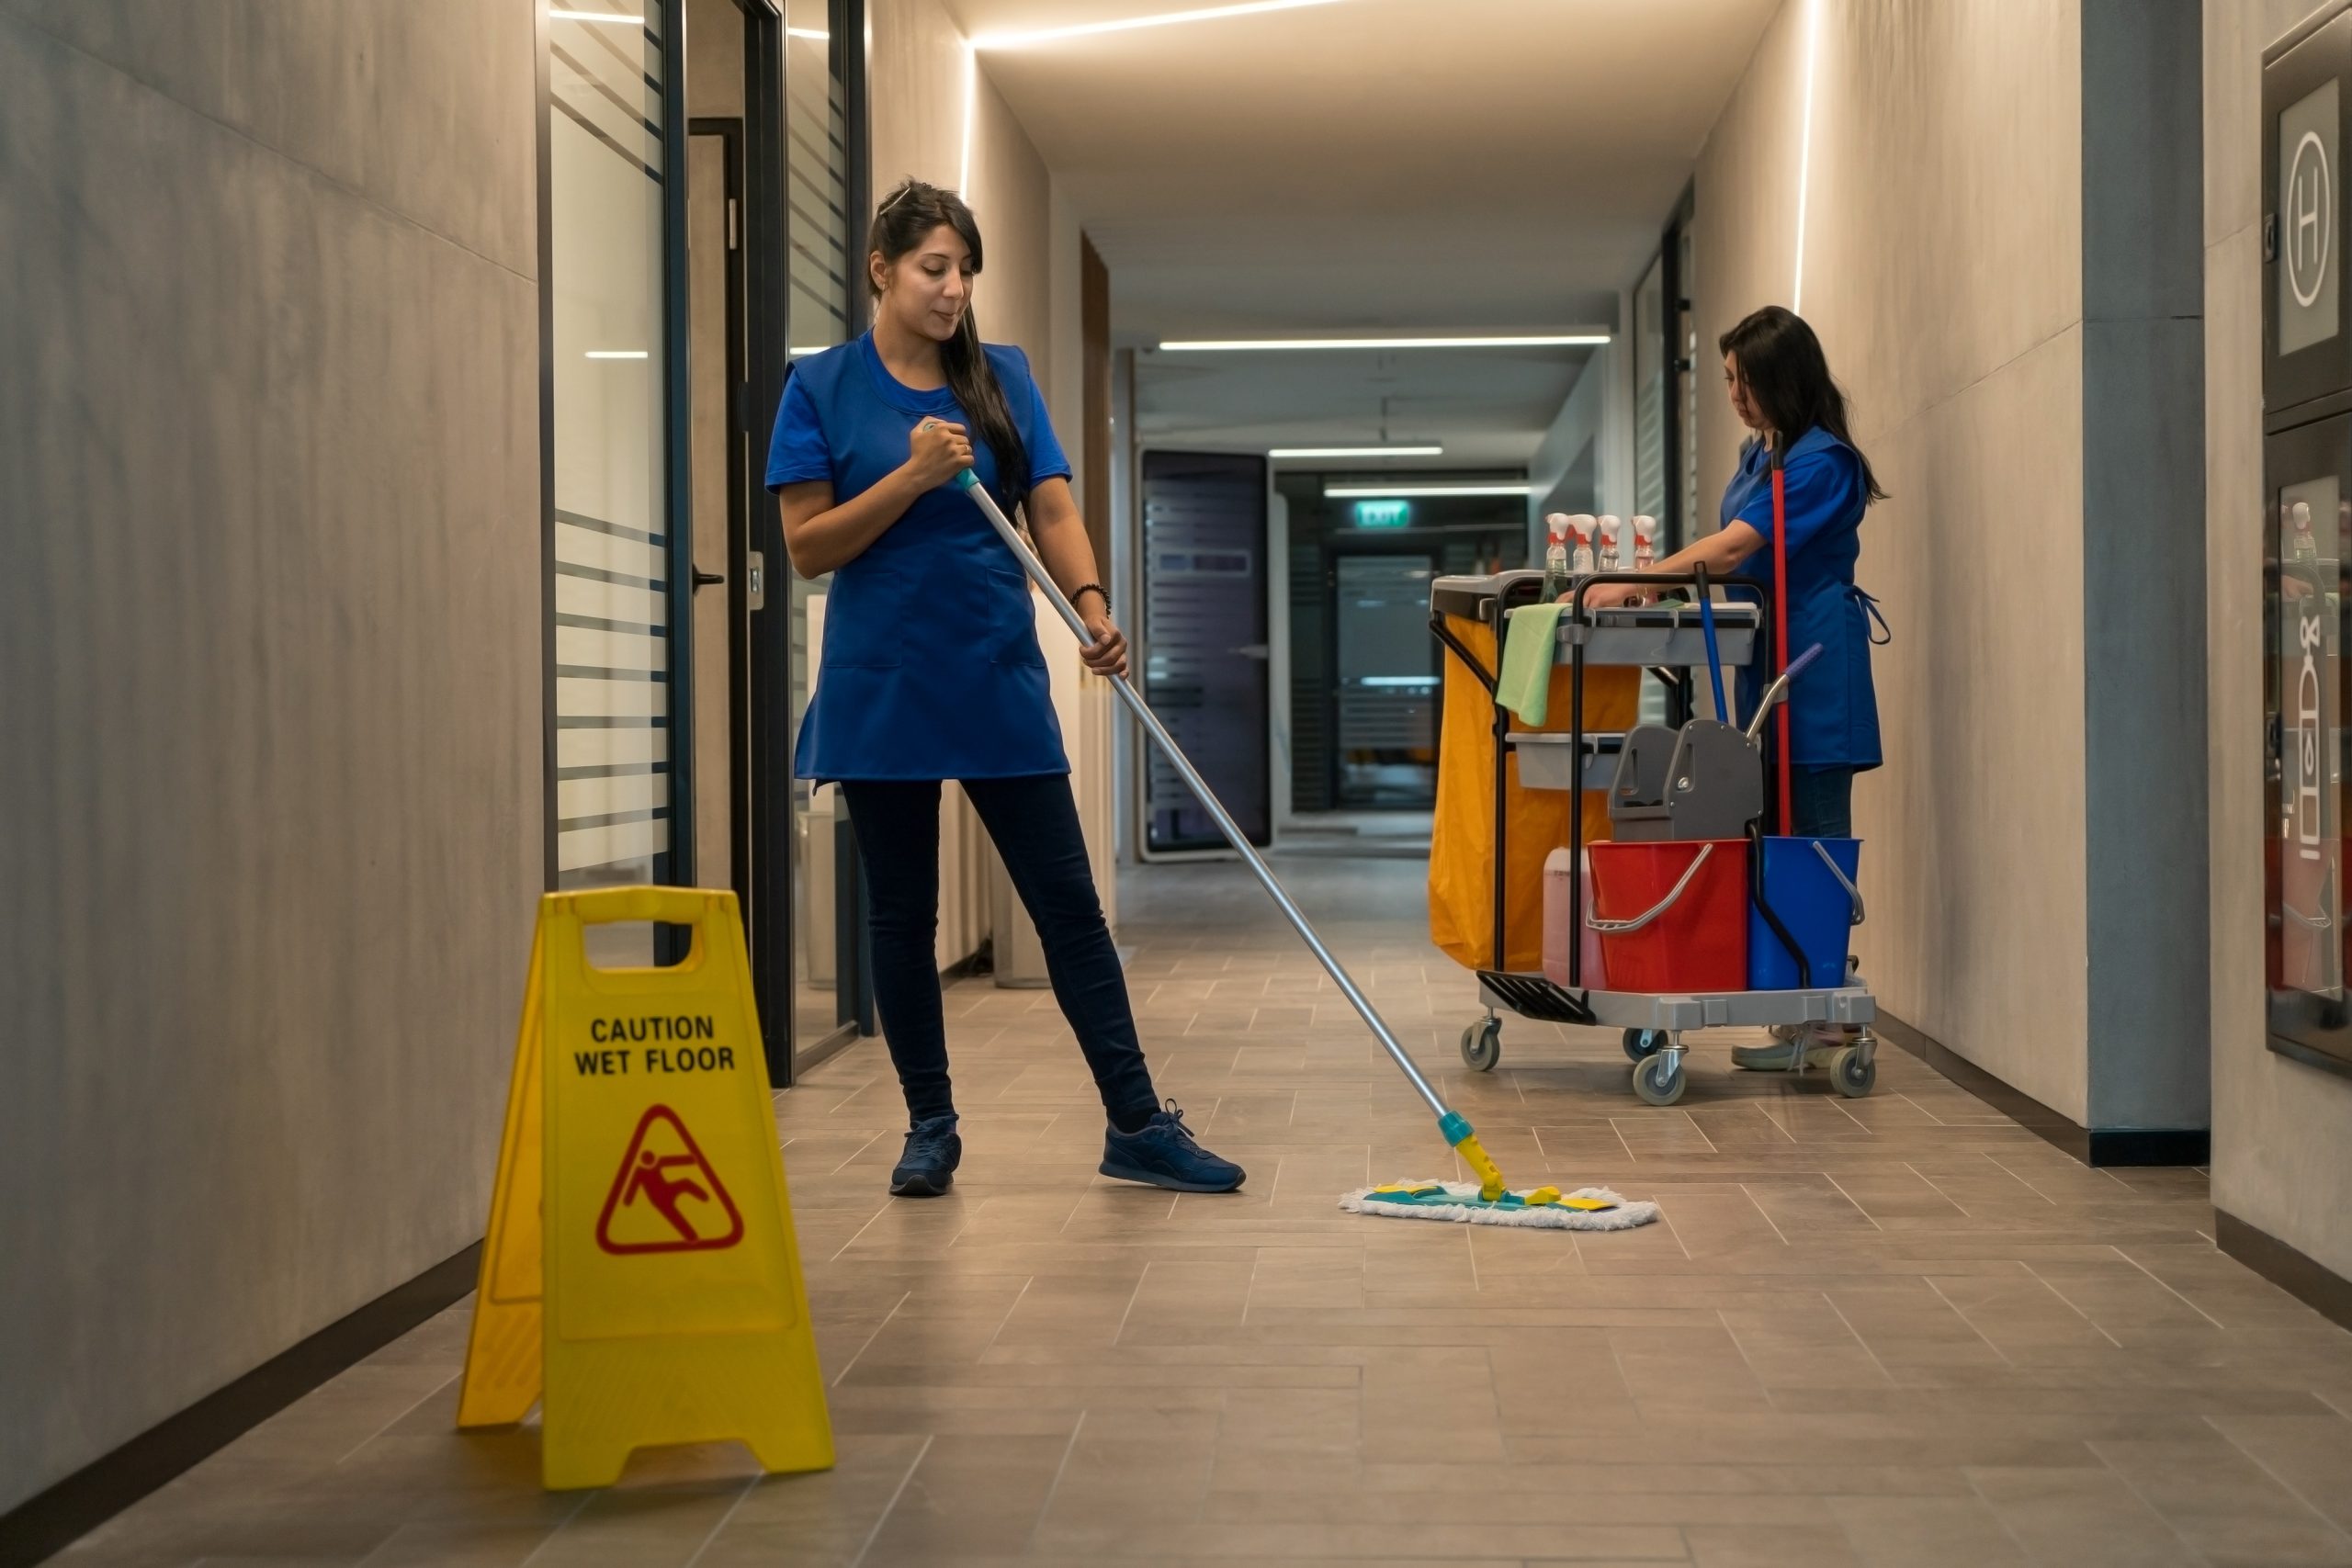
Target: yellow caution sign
[640, 1270]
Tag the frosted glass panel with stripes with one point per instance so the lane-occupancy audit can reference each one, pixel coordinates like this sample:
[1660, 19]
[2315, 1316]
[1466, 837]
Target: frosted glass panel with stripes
[611, 535]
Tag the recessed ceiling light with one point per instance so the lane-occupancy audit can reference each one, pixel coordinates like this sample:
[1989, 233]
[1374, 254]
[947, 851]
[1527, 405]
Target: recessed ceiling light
[1227, 346]
[614, 17]
[1357, 452]
[1406, 492]
[1164, 19]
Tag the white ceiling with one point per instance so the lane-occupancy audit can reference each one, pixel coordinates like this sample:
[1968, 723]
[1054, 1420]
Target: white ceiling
[1391, 165]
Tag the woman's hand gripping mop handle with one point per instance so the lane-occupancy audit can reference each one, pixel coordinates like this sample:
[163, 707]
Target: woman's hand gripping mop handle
[1451, 1123]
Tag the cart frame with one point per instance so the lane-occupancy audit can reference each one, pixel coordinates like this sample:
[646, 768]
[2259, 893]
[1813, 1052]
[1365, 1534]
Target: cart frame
[1653, 1023]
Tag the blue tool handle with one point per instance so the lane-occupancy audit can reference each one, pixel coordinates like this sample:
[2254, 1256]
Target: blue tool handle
[1714, 659]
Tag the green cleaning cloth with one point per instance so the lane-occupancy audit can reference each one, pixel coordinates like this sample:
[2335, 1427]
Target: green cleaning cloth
[1529, 636]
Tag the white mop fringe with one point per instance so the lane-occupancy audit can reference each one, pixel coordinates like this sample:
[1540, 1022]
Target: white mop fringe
[1543, 1216]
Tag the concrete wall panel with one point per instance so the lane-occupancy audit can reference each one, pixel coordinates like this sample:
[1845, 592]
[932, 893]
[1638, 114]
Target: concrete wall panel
[269, 611]
[1943, 270]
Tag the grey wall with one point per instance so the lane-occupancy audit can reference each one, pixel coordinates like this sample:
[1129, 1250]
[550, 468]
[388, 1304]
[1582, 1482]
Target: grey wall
[269, 677]
[2144, 566]
[2281, 1130]
[1941, 269]
[2002, 257]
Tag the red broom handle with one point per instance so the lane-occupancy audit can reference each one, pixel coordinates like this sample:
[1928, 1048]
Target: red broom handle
[1780, 626]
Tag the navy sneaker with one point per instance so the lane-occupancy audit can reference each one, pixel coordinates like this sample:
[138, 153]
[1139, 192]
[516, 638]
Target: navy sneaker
[928, 1166]
[1162, 1153]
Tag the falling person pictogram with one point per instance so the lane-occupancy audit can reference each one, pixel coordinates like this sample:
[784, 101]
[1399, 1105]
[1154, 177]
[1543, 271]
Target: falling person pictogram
[662, 1193]
[645, 1171]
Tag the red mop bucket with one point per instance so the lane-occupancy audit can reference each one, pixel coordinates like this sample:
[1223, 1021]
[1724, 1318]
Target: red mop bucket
[1673, 915]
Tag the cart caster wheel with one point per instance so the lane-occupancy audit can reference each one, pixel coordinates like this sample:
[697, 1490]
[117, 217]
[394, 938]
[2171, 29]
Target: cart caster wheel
[1643, 1043]
[1854, 1075]
[1659, 1079]
[1482, 1044]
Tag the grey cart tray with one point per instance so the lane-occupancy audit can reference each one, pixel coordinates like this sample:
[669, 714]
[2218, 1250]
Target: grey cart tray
[1547, 760]
[1850, 1004]
[1667, 635]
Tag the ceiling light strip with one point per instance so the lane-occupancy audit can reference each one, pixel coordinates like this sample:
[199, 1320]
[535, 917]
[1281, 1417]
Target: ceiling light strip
[1408, 492]
[1357, 452]
[1295, 344]
[1164, 19]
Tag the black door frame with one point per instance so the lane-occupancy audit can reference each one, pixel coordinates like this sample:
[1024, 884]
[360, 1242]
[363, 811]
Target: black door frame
[729, 133]
[774, 869]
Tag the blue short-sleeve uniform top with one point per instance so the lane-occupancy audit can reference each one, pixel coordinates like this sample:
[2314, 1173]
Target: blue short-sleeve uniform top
[930, 667]
[1833, 707]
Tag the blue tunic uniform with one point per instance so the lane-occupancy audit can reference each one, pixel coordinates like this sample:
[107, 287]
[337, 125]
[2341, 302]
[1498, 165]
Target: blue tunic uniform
[1833, 708]
[930, 668]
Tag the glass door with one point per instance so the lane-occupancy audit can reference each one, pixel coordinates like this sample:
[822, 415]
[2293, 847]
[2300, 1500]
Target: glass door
[615, 558]
[824, 307]
[1387, 687]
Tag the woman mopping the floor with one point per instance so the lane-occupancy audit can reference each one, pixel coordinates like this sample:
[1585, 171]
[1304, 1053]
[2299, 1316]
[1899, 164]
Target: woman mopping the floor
[1781, 390]
[931, 670]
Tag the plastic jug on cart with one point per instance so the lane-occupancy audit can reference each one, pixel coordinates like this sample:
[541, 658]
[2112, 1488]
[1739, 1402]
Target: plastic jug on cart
[1559, 924]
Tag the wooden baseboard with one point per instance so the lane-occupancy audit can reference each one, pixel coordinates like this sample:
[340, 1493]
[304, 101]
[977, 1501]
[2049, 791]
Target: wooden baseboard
[2092, 1146]
[2302, 1276]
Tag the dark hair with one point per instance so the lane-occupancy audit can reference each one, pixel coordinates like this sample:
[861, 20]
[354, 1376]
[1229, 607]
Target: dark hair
[902, 223]
[1789, 376]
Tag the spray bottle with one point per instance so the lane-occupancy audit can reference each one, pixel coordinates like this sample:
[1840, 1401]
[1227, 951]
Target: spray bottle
[1644, 543]
[1581, 565]
[1612, 553]
[1555, 556]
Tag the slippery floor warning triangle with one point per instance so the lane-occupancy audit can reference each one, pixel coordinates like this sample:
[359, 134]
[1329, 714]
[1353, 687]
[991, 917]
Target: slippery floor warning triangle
[686, 1208]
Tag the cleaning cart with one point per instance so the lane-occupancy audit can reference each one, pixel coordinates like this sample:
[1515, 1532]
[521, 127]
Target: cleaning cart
[1651, 781]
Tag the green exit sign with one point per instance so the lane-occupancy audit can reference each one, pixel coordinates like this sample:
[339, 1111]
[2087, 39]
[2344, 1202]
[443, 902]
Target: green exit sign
[1384, 514]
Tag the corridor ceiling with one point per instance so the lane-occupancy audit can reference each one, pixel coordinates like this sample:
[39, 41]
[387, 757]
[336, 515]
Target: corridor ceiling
[1425, 166]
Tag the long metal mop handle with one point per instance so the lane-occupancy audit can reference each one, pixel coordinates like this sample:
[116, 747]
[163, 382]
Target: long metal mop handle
[1207, 797]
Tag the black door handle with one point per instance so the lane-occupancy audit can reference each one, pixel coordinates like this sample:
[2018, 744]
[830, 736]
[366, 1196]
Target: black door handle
[708, 579]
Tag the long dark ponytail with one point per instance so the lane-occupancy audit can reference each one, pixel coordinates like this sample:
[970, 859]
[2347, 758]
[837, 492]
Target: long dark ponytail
[1787, 374]
[901, 223]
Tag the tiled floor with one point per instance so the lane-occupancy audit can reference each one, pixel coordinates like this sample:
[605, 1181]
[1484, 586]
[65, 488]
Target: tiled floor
[1895, 1331]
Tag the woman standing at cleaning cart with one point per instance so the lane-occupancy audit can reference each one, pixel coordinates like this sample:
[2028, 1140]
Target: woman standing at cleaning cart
[931, 670]
[1781, 390]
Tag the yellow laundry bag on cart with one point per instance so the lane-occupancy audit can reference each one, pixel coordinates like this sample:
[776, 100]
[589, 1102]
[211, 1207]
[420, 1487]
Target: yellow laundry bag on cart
[1462, 845]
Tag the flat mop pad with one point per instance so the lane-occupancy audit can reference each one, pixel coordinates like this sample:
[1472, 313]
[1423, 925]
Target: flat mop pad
[1548, 1208]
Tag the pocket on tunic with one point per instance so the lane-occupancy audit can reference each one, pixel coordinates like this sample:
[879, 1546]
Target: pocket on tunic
[1012, 619]
[865, 615]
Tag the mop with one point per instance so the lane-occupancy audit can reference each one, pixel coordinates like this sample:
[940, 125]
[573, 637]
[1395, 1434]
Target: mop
[1490, 1200]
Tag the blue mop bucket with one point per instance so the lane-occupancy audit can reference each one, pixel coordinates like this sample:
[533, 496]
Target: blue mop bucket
[1810, 885]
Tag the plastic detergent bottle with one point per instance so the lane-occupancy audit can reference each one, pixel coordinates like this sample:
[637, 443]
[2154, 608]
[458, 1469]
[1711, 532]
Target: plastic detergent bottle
[1555, 556]
[1644, 543]
[1581, 564]
[1613, 555]
[1560, 930]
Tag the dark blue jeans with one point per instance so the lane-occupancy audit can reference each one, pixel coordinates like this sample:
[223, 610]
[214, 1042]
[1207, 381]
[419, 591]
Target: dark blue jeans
[1034, 823]
[1821, 802]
